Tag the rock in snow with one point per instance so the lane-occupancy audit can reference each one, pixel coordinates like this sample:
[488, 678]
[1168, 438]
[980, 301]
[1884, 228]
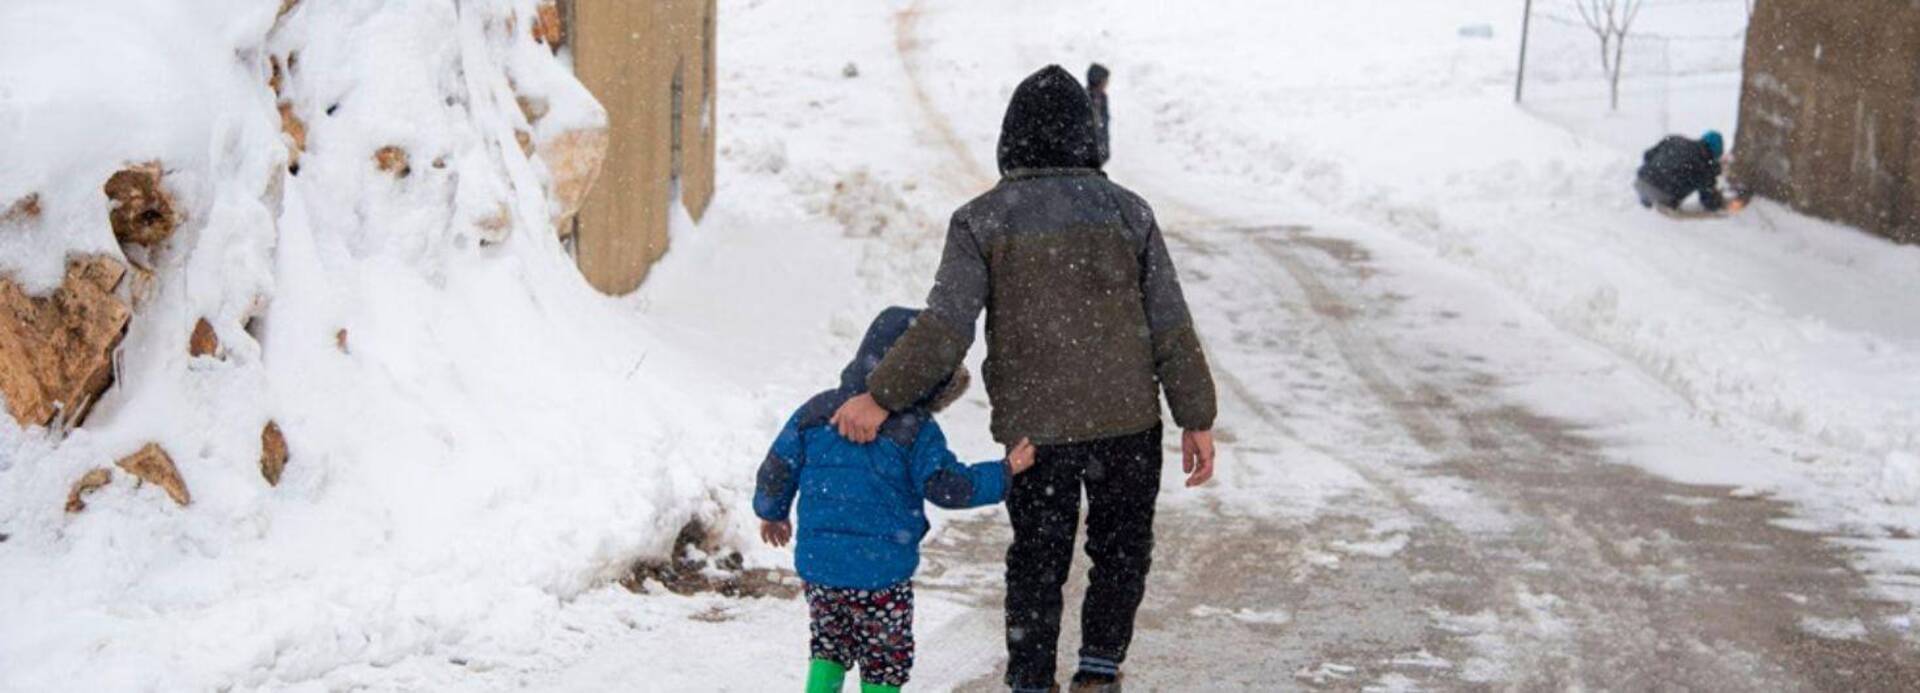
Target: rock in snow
[93, 479]
[273, 453]
[152, 465]
[296, 131]
[574, 158]
[489, 420]
[547, 27]
[143, 211]
[23, 210]
[203, 342]
[56, 352]
[393, 160]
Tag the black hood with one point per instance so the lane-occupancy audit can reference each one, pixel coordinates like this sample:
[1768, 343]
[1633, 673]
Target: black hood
[1049, 124]
[1096, 76]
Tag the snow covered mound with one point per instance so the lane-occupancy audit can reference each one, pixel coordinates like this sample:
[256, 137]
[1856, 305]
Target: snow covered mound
[366, 193]
[1770, 321]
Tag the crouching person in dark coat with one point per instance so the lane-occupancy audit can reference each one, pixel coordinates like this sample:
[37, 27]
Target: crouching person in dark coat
[1086, 327]
[1677, 168]
[862, 514]
[1097, 93]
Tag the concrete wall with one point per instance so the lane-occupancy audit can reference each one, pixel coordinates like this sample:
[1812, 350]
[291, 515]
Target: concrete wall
[1830, 111]
[631, 54]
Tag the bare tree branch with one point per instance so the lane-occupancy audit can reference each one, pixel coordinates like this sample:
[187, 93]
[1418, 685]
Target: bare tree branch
[1632, 13]
[1591, 12]
[1611, 22]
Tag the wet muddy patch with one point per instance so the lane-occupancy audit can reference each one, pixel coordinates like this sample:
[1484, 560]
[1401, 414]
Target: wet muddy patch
[698, 566]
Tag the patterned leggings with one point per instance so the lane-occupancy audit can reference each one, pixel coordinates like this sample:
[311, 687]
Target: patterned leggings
[869, 628]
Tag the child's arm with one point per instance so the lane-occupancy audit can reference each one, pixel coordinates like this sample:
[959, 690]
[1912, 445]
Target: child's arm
[941, 478]
[779, 478]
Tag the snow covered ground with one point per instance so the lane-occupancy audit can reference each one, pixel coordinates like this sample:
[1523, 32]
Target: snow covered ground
[1767, 355]
[1391, 265]
[476, 436]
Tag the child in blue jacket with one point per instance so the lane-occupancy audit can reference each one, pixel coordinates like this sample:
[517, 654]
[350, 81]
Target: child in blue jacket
[862, 515]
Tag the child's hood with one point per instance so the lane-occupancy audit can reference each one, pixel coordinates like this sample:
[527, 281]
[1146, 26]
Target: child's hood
[885, 330]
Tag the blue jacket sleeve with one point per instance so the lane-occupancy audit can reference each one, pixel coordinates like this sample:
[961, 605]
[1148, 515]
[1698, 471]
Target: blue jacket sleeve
[941, 478]
[778, 480]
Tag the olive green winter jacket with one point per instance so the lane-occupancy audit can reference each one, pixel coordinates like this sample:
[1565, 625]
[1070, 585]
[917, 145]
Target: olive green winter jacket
[1086, 323]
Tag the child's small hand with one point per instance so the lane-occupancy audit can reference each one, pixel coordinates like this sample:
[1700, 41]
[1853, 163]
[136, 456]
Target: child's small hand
[775, 533]
[1020, 458]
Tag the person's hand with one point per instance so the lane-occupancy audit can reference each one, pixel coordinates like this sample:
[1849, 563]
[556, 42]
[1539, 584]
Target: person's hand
[1020, 457]
[860, 418]
[1196, 456]
[775, 533]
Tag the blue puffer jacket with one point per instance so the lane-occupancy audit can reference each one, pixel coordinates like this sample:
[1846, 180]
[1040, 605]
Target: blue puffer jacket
[862, 507]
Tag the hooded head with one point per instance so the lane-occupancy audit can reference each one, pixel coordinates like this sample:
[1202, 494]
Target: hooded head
[1096, 76]
[1714, 143]
[1049, 124]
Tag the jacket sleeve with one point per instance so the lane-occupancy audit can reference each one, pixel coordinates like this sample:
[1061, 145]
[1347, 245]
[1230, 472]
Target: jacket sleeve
[938, 340]
[940, 477]
[1710, 197]
[778, 480]
[1178, 360]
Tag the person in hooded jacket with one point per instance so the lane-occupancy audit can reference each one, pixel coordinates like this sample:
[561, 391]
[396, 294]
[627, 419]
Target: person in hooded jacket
[1086, 326]
[1677, 168]
[1097, 93]
[862, 514]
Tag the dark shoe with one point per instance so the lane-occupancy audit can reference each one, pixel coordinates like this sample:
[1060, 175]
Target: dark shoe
[1096, 685]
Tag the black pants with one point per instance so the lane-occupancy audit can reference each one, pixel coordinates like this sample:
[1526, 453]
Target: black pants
[1122, 479]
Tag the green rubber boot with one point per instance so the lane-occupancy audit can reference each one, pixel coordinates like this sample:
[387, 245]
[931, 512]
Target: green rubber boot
[877, 688]
[824, 676]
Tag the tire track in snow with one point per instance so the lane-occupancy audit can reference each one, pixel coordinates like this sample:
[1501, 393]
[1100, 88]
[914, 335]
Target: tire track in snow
[906, 44]
[1600, 607]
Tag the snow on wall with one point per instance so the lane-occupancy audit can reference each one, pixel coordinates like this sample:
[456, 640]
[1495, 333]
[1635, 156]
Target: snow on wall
[475, 434]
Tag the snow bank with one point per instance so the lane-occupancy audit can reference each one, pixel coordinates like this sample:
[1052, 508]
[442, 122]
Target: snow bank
[1769, 321]
[476, 436]
[1900, 479]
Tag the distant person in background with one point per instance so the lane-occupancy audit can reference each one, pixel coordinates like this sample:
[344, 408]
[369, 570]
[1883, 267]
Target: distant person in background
[1097, 91]
[1678, 167]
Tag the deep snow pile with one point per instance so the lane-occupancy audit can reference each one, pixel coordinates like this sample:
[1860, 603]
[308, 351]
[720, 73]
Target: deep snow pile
[475, 434]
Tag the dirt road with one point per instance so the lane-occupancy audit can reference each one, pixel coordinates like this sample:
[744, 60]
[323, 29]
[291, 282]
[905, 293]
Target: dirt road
[1476, 544]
